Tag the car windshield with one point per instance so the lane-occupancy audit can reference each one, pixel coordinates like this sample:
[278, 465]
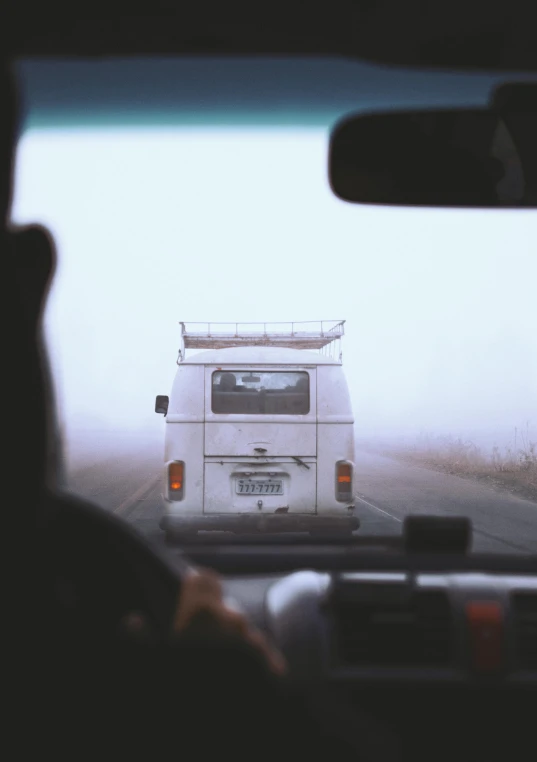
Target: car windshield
[197, 190]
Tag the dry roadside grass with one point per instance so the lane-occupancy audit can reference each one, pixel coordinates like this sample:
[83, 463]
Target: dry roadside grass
[512, 468]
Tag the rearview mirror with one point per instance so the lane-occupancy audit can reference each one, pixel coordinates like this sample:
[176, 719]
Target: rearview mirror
[161, 404]
[450, 157]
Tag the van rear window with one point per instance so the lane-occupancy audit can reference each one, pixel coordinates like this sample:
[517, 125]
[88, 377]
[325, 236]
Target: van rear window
[261, 392]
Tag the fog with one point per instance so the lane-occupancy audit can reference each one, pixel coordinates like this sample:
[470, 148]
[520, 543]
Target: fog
[155, 227]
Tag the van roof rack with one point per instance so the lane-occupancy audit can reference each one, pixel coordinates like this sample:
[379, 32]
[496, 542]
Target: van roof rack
[311, 334]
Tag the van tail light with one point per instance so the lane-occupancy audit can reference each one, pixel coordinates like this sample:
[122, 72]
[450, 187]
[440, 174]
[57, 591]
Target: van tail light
[344, 481]
[176, 480]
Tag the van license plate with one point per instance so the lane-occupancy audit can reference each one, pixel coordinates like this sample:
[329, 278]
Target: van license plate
[259, 486]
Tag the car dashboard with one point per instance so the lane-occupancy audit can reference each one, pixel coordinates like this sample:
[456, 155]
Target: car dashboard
[386, 626]
[437, 651]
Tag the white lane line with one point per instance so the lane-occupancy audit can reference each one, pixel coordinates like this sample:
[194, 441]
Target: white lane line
[140, 492]
[376, 508]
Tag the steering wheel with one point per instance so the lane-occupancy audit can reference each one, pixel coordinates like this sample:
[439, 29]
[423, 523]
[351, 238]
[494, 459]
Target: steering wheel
[113, 571]
[104, 570]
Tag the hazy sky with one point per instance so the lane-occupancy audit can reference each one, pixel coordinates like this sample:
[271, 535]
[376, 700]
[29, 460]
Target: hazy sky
[154, 227]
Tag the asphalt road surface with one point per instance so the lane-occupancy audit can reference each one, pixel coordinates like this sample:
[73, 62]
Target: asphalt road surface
[387, 490]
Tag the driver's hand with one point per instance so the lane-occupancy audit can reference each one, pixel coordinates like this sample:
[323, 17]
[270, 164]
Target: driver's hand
[201, 608]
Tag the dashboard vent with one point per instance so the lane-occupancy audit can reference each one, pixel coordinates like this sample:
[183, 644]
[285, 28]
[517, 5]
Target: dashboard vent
[525, 623]
[413, 632]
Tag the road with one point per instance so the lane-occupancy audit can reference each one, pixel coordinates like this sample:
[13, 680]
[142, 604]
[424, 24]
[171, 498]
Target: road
[387, 491]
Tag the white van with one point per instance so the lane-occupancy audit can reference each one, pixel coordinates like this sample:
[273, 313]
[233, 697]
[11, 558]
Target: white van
[259, 431]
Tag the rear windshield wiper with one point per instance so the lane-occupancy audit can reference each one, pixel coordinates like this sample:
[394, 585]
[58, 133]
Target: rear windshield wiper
[299, 461]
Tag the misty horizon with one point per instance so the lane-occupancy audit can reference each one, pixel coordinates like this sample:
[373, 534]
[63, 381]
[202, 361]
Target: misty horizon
[439, 304]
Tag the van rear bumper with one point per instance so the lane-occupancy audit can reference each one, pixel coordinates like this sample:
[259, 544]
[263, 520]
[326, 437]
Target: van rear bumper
[251, 523]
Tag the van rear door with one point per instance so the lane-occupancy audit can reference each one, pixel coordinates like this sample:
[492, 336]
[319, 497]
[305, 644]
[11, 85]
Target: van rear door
[271, 411]
[260, 440]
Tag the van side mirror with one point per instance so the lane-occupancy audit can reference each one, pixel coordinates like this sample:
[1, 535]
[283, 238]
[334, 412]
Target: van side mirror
[161, 404]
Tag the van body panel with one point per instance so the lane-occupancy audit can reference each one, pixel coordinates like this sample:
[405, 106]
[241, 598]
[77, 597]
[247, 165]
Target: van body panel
[333, 397]
[186, 399]
[335, 443]
[184, 441]
[239, 438]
